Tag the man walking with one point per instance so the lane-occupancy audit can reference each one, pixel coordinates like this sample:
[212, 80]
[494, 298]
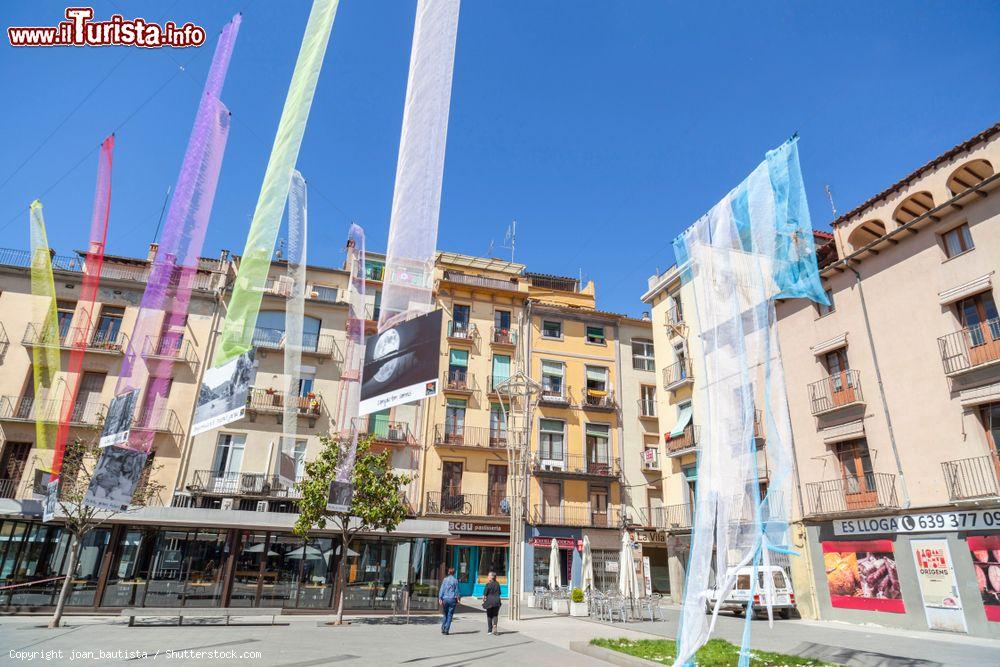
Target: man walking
[449, 599]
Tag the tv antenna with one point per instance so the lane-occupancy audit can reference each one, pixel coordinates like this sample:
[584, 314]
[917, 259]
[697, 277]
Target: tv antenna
[510, 239]
[829, 196]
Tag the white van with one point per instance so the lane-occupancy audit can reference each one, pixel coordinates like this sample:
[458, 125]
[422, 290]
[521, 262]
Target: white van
[784, 597]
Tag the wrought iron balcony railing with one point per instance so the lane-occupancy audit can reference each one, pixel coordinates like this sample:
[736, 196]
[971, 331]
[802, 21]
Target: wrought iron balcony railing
[503, 337]
[677, 374]
[467, 504]
[481, 281]
[240, 484]
[461, 331]
[598, 400]
[173, 348]
[27, 408]
[316, 344]
[971, 347]
[385, 430]
[96, 340]
[576, 514]
[972, 478]
[159, 420]
[835, 392]
[574, 464]
[460, 380]
[669, 517]
[685, 442]
[459, 435]
[555, 393]
[870, 491]
[272, 401]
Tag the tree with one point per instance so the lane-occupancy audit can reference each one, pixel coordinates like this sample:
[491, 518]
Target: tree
[377, 503]
[79, 464]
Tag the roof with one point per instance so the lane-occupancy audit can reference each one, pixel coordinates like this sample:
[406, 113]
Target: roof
[532, 274]
[899, 185]
[484, 263]
[579, 310]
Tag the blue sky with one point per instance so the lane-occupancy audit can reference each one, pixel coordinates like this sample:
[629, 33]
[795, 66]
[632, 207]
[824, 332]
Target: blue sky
[603, 128]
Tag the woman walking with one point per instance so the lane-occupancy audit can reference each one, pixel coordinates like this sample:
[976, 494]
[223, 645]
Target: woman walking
[491, 603]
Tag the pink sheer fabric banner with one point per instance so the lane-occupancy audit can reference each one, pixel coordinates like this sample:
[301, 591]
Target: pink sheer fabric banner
[158, 336]
[80, 337]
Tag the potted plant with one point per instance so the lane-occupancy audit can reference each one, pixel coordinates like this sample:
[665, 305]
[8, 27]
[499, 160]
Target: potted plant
[560, 605]
[578, 607]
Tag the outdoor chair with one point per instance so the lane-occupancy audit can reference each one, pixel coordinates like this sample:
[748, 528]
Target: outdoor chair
[652, 606]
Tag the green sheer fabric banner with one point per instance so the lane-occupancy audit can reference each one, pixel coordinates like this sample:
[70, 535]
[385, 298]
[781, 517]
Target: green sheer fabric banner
[44, 407]
[241, 318]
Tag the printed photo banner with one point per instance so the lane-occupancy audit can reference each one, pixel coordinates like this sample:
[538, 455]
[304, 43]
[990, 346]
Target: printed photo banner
[863, 575]
[45, 351]
[92, 265]
[985, 551]
[248, 290]
[416, 199]
[160, 325]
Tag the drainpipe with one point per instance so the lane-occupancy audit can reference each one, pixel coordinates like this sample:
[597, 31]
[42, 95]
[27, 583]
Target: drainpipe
[624, 490]
[881, 388]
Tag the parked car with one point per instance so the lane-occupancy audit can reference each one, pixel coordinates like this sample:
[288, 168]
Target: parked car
[738, 598]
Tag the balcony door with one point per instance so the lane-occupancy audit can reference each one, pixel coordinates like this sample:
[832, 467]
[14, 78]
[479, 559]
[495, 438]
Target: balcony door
[598, 446]
[454, 421]
[451, 486]
[551, 501]
[841, 383]
[599, 507]
[12, 464]
[108, 326]
[859, 479]
[496, 501]
[460, 317]
[228, 461]
[979, 319]
[991, 422]
[88, 396]
[458, 368]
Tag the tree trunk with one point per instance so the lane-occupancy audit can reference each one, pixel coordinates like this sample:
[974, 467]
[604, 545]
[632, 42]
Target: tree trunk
[342, 574]
[74, 555]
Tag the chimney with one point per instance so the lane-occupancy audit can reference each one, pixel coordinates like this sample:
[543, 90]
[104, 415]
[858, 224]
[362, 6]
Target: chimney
[153, 247]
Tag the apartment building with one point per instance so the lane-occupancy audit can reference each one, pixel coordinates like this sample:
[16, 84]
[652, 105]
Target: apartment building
[894, 396]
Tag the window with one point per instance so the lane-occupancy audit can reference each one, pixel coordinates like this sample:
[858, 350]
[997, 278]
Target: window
[454, 417]
[64, 317]
[498, 426]
[691, 477]
[597, 386]
[299, 456]
[642, 355]
[856, 466]
[647, 401]
[990, 414]
[460, 315]
[325, 293]
[229, 454]
[595, 334]
[957, 241]
[377, 304]
[550, 441]
[374, 270]
[978, 315]
[501, 320]
[551, 329]
[458, 366]
[599, 505]
[501, 368]
[306, 382]
[682, 365]
[270, 330]
[823, 309]
[451, 479]
[552, 379]
[838, 368]
[598, 453]
[109, 325]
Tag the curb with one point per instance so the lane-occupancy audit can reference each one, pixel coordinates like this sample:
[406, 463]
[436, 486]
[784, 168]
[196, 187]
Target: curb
[608, 655]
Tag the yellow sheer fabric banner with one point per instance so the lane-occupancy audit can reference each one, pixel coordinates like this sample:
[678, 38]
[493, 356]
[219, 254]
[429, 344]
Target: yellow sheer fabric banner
[241, 318]
[44, 407]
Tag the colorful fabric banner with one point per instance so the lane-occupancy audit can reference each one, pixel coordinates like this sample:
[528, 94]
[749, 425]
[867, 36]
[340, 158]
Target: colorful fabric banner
[159, 330]
[88, 296]
[244, 305]
[751, 248]
[45, 350]
[416, 200]
[294, 314]
[354, 357]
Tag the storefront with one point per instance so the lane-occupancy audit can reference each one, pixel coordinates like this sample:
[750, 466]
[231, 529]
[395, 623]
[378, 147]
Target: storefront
[475, 550]
[155, 566]
[653, 545]
[916, 571]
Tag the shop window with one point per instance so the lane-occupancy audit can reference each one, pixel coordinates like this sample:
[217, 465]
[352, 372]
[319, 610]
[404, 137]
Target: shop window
[492, 559]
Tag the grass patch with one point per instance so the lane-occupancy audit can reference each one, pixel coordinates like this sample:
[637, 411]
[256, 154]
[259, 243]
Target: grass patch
[716, 653]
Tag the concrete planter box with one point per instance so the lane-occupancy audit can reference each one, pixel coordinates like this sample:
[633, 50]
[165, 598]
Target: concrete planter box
[560, 606]
[578, 609]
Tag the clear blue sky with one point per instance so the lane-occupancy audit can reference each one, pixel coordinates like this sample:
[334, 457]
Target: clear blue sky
[603, 128]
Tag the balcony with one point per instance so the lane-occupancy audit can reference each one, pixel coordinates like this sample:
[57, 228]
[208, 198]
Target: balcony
[495, 505]
[461, 332]
[459, 435]
[28, 409]
[326, 294]
[870, 491]
[169, 349]
[313, 344]
[481, 281]
[385, 431]
[271, 401]
[503, 338]
[976, 478]
[647, 408]
[494, 381]
[576, 466]
[684, 443]
[835, 392]
[595, 399]
[239, 484]
[580, 515]
[158, 420]
[460, 381]
[971, 348]
[677, 375]
[669, 517]
[375, 272]
[279, 286]
[674, 317]
[555, 394]
[4, 342]
[652, 466]
[107, 342]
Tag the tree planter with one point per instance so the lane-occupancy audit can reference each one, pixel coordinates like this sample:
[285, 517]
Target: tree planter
[560, 606]
[578, 609]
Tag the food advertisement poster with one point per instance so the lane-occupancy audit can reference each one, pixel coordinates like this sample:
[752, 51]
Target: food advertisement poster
[862, 575]
[938, 586]
[986, 561]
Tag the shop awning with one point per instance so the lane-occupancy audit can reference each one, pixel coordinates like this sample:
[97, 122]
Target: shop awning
[478, 541]
[683, 419]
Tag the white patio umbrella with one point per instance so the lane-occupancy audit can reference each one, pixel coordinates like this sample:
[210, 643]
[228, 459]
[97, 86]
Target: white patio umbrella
[628, 582]
[588, 565]
[554, 565]
[305, 552]
[258, 548]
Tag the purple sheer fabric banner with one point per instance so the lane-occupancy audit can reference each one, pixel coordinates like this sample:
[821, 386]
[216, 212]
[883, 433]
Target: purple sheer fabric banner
[159, 329]
[354, 356]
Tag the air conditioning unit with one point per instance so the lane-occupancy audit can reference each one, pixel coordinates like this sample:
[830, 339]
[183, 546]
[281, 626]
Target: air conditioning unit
[227, 504]
[261, 505]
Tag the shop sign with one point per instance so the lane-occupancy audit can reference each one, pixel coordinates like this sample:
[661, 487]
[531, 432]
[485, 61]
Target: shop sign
[476, 528]
[920, 523]
[610, 566]
[938, 587]
[651, 536]
[561, 542]
[647, 577]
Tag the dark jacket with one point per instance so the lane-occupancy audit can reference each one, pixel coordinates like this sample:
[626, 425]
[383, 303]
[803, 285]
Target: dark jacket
[491, 595]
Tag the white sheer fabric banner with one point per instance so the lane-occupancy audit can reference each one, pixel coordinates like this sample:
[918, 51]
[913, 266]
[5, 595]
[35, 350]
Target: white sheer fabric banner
[752, 247]
[294, 311]
[354, 355]
[416, 200]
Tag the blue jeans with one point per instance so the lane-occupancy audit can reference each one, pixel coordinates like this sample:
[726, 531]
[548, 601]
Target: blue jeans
[448, 609]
